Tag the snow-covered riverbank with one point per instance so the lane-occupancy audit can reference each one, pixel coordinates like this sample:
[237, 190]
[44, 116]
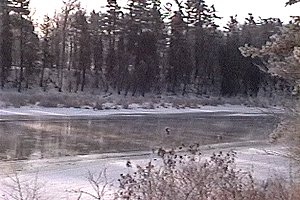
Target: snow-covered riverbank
[62, 176]
[134, 109]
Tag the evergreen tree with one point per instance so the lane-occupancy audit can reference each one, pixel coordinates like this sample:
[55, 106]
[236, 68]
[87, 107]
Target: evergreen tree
[6, 38]
[55, 48]
[179, 55]
[96, 28]
[193, 26]
[142, 50]
[143, 35]
[231, 59]
[68, 8]
[46, 29]
[112, 28]
[257, 33]
[206, 44]
[31, 49]
[84, 46]
[21, 7]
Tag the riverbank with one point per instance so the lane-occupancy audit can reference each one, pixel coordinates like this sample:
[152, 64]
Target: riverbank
[110, 101]
[60, 178]
[228, 110]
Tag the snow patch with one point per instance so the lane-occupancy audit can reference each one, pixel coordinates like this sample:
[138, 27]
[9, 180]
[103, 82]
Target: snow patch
[66, 174]
[110, 109]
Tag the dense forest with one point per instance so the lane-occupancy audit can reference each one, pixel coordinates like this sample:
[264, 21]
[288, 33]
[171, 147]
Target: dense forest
[144, 47]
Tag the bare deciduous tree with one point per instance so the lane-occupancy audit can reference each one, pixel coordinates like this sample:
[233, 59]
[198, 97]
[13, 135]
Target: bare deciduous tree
[17, 188]
[99, 184]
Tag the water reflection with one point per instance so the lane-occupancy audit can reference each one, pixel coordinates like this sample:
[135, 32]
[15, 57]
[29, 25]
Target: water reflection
[54, 138]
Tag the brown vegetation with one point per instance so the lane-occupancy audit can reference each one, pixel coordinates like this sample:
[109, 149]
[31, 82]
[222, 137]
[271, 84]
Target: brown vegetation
[190, 177]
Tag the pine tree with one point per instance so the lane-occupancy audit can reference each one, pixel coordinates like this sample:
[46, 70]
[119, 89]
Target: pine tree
[96, 24]
[143, 28]
[230, 59]
[5, 41]
[21, 7]
[179, 66]
[31, 49]
[112, 26]
[68, 8]
[193, 26]
[239, 75]
[55, 48]
[84, 46]
[206, 44]
[46, 29]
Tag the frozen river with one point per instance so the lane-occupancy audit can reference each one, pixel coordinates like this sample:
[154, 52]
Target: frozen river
[62, 149]
[48, 137]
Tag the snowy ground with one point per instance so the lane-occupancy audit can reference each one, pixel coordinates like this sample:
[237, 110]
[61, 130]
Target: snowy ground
[233, 110]
[62, 176]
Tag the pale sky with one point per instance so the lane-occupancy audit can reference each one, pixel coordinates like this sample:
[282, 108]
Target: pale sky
[225, 8]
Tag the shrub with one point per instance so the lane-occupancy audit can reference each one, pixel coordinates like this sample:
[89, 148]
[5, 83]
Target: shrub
[189, 176]
[20, 189]
[287, 132]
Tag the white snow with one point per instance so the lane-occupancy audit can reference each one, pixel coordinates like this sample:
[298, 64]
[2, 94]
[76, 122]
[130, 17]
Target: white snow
[231, 110]
[62, 175]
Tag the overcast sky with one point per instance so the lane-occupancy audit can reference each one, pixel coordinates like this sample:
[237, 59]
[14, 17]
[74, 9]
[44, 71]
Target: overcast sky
[225, 8]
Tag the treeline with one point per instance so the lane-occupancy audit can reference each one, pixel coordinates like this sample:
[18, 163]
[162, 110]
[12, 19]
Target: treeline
[142, 48]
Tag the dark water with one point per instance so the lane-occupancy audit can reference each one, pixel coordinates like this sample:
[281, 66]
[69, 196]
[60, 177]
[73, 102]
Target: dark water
[45, 138]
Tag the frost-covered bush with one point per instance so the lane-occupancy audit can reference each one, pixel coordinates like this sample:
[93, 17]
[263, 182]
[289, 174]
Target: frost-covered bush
[188, 175]
[288, 132]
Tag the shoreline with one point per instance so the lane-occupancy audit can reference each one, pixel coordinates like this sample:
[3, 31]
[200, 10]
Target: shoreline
[67, 174]
[228, 110]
